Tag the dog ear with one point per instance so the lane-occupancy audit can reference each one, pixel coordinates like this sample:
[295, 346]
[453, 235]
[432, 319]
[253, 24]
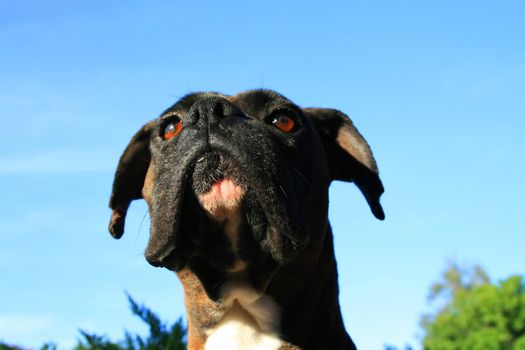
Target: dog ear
[129, 178]
[348, 155]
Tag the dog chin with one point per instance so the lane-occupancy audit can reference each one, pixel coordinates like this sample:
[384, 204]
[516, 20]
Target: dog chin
[239, 225]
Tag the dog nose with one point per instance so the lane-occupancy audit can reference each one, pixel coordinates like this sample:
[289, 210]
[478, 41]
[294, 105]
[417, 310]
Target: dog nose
[211, 110]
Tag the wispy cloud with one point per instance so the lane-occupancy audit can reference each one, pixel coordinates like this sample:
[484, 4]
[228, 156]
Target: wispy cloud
[56, 162]
[33, 330]
[14, 326]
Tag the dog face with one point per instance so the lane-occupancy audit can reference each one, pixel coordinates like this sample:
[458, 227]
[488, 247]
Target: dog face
[239, 183]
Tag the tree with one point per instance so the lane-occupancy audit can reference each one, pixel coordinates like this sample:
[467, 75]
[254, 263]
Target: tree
[4, 346]
[476, 314]
[161, 337]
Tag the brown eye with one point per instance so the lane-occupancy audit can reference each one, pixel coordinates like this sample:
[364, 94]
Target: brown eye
[172, 129]
[284, 123]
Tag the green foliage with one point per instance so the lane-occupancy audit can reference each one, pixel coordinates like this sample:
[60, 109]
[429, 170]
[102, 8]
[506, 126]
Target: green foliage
[161, 336]
[457, 278]
[96, 342]
[477, 315]
[49, 346]
[4, 346]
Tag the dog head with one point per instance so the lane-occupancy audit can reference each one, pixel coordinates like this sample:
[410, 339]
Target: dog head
[241, 178]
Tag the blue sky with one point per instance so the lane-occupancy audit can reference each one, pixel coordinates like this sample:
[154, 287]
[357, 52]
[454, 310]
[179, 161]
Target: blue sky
[437, 88]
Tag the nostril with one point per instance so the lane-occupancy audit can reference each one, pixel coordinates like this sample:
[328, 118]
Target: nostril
[217, 109]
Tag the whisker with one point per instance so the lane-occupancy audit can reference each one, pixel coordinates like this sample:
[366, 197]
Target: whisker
[140, 227]
[220, 281]
[214, 178]
[304, 178]
[282, 189]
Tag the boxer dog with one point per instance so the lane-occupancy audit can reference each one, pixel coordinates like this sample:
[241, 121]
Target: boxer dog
[237, 191]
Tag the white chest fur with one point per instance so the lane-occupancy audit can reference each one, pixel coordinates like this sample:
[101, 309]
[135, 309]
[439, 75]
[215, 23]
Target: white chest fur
[250, 323]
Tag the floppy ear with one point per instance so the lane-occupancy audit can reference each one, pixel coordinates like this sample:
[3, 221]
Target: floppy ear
[129, 178]
[348, 155]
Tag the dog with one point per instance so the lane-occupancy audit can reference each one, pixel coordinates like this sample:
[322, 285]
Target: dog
[237, 192]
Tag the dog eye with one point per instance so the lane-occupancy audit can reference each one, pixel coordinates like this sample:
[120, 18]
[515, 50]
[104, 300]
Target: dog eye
[172, 129]
[284, 123]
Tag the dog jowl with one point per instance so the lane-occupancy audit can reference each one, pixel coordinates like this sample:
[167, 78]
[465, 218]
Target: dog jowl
[237, 190]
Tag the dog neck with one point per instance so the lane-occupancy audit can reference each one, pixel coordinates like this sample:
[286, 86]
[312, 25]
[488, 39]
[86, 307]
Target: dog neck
[299, 309]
